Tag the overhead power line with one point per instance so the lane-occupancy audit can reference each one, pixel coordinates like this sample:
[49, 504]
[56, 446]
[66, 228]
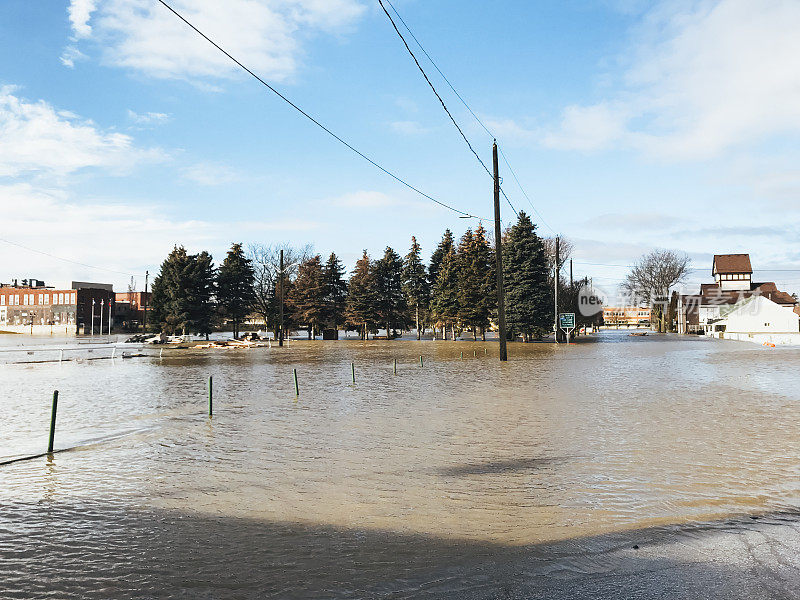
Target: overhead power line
[467, 106]
[74, 262]
[425, 75]
[435, 92]
[312, 119]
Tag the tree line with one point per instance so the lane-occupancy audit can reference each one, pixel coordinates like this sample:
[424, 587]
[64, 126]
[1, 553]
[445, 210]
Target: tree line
[455, 292]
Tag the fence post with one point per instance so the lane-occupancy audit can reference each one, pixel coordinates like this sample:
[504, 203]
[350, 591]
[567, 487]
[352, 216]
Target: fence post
[420, 361]
[53, 422]
[296, 387]
[395, 366]
[210, 395]
[353, 367]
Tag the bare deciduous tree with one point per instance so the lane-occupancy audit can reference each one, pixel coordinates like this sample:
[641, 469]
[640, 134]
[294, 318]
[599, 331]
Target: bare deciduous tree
[565, 250]
[266, 266]
[651, 279]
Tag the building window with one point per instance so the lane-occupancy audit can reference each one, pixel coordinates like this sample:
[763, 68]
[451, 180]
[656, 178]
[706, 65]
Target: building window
[2, 300]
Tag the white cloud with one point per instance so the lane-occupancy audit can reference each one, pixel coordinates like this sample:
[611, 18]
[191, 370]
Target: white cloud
[35, 138]
[408, 127]
[148, 118]
[588, 128]
[125, 237]
[70, 55]
[80, 11]
[705, 77]
[265, 35]
[209, 174]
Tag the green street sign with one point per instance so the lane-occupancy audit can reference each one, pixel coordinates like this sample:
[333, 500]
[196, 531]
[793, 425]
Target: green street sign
[566, 320]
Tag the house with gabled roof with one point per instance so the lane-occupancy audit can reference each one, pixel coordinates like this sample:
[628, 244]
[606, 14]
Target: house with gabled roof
[733, 282]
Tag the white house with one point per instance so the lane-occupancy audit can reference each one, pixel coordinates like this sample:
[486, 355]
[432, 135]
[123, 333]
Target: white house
[757, 319]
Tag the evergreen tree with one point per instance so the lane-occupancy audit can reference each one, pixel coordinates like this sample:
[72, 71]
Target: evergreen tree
[415, 283]
[203, 308]
[484, 262]
[235, 287]
[362, 297]
[434, 265]
[307, 297]
[436, 258]
[392, 304]
[335, 292]
[444, 298]
[182, 296]
[470, 288]
[528, 298]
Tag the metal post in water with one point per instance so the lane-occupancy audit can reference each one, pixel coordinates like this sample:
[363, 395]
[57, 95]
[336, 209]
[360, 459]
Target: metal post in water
[53, 422]
[395, 366]
[474, 353]
[485, 351]
[296, 387]
[161, 354]
[61, 355]
[462, 356]
[210, 395]
[353, 367]
[420, 361]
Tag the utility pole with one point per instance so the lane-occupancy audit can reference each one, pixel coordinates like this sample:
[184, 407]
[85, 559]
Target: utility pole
[501, 306]
[280, 310]
[555, 288]
[144, 319]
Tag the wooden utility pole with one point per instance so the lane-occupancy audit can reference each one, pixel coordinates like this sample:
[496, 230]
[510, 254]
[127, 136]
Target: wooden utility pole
[555, 288]
[280, 310]
[501, 306]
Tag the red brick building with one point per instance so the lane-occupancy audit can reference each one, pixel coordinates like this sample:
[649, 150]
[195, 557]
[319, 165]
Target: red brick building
[32, 307]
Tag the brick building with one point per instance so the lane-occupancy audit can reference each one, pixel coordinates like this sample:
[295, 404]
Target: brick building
[33, 307]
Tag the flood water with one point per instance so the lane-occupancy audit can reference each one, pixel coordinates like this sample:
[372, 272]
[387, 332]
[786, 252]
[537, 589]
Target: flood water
[463, 477]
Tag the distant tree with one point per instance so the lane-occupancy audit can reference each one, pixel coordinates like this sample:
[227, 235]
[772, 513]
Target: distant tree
[335, 300]
[266, 279]
[565, 250]
[474, 290]
[444, 296]
[485, 264]
[651, 279]
[415, 284]
[392, 303]
[182, 295]
[307, 298]
[203, 305]
[447, 244]
[362, 297]
[528, 299]
[235, 287]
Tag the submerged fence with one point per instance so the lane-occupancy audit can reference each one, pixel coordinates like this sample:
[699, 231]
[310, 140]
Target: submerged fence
[51, 354]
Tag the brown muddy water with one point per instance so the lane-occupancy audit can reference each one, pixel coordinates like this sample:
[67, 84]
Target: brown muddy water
[463, 478]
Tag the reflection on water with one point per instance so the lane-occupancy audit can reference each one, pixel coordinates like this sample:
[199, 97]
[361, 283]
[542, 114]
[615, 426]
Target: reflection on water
[561, 443]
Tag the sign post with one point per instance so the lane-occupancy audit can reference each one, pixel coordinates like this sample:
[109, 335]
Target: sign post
[566, 321]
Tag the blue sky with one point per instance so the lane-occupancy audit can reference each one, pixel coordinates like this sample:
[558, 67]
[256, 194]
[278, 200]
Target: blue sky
[631, 125]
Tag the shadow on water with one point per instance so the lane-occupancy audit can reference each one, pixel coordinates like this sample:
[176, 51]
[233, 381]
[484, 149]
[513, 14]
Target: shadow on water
[516, 465]
[93, 550]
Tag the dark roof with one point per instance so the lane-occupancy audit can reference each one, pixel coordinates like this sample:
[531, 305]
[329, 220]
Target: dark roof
[769, 290]
[706, 288]
[731, 263]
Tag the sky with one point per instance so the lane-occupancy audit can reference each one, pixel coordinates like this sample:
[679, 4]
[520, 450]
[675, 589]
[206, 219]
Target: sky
[630, 126]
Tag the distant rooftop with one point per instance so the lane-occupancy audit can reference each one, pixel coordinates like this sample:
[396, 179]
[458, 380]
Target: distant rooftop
[731, 263]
